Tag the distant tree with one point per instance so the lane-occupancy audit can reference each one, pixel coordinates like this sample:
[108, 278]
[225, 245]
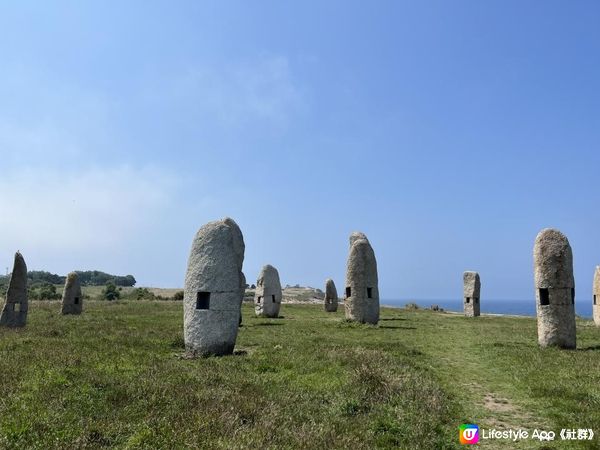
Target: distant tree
[253, 286]
[178, 295]
[43, 291]
[110, 292]
[97, 278]
[36, 276]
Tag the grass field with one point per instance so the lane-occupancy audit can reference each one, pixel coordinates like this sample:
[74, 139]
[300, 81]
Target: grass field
[114, 378]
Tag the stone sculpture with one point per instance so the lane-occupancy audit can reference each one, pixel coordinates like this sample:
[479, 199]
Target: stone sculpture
[214, 289]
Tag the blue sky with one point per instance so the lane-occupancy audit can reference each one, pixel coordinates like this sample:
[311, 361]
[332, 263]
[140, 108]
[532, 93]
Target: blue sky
[449, 132]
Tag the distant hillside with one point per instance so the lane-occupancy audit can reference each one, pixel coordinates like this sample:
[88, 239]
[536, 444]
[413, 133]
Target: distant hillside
[87, 278]
[294, 294]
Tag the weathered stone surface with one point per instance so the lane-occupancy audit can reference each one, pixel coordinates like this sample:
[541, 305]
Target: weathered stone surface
[471, 293]
[214, 289]
[72, 299]
[554, 289]
[243, 293]
[331, 296]
[268, 296]
[14, 313]
[362, 286]
[596, 296]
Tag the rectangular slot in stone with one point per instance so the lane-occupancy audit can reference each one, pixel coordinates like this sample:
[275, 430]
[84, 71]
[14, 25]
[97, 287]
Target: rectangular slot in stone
[594, 299]
[202, 300]
[572, 296]
[369, 292]
[259, 299]
[467, 299]
[273, 297]
[17, 307]
[544, 296]
[348, 291]
[76, 301]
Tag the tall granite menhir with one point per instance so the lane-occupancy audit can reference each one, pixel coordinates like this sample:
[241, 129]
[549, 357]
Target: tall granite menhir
[362, 287]
[72, 299]
[331, 297]
[554, 289]
[471, 294]
[268, 295]
[214, 289]
[14, 313]
[596, 297]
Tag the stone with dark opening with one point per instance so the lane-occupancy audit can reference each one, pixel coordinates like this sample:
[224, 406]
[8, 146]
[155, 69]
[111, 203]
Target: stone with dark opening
[471, 293]
[72, 299]
[331, 297]
[596, 297]
[362, 285]
[214, 289]
[268, 294]
[554, 289]
[14, 313]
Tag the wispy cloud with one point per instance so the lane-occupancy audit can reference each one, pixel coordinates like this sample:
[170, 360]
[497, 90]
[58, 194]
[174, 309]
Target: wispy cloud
[261, 91]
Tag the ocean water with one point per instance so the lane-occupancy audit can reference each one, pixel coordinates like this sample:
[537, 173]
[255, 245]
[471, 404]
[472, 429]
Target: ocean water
[514, 307]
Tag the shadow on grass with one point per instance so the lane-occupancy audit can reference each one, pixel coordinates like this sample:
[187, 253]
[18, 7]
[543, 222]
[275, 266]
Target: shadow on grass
[266, 324]
[196, 356]
[397, 327]
[392, 318]
[589, 349]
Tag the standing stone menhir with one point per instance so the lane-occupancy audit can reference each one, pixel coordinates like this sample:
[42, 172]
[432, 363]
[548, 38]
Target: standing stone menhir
[362, 287]
[471, 294]
[268, 295]
[14, 313]
[331, 297]
[596, 298]
[554, 289]
[214, 289]
[72, 299]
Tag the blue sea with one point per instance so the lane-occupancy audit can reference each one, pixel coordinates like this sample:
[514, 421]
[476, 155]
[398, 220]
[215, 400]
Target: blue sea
[514, 307]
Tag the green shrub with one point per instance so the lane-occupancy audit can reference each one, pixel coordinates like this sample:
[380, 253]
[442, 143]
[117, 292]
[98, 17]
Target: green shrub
[142, 294]
[110, 292]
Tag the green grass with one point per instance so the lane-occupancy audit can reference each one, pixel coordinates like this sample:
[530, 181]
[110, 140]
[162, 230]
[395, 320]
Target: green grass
[114, 378]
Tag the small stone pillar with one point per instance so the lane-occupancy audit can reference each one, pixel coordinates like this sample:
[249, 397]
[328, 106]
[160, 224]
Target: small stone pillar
[471, 294]
[268, 295]
[72, 299]
[362, 286]
[14, 313]
[331, 297]
[554, 289]
[596, 297]
[214, 289]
